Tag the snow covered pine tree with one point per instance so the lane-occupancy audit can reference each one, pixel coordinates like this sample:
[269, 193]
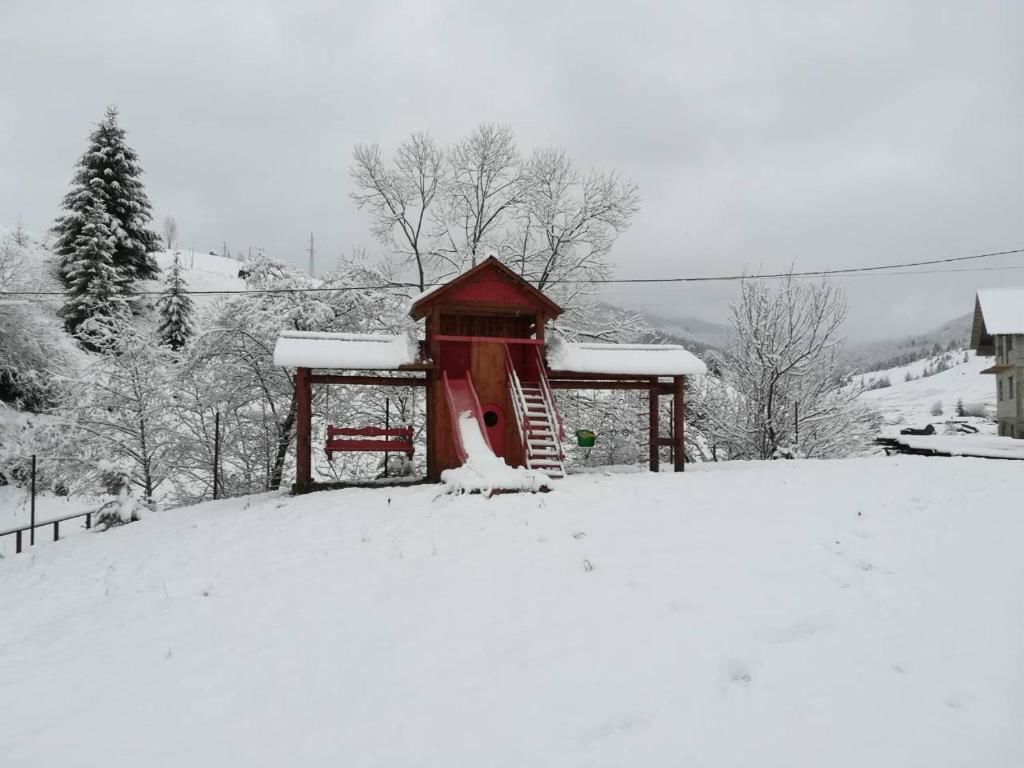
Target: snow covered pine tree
[175, 309]
[94, 286]
[107, 180]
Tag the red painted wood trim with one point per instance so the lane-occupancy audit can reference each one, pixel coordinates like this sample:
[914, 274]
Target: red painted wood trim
[398, 446]
[678, 423]
[369, 431]
[654, 458]
[375, 381]
[303, 429]
[488, 339]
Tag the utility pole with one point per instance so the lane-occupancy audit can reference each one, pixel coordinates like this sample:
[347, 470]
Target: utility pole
[311, 253]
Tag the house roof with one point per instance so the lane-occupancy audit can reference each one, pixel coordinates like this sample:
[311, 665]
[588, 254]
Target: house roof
[490, 284]
[632, 359]
[997, 311]
[352, 351]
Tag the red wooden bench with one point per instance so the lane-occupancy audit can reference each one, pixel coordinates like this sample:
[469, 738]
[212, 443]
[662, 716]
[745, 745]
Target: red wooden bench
[403, 443]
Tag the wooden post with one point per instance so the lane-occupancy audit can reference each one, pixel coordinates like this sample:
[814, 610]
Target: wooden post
[429, 416]
[32, 512]
[303, 430]
[433, 326]
[216, 451]
[387, 425]
[653, 426]
[677, 423]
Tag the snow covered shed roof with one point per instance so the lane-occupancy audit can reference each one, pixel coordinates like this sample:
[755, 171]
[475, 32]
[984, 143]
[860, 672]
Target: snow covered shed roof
[631, 359]
[997, 311]
[352, 351]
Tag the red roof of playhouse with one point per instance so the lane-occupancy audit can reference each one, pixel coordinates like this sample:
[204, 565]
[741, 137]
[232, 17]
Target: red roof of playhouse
[490, 284]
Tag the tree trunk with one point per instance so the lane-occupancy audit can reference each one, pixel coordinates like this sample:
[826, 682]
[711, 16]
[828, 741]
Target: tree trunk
[147, 474]
[284, 439]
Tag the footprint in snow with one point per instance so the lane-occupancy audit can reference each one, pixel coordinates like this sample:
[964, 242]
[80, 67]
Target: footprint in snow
[958, 701]
[800, 630]
[738, 672]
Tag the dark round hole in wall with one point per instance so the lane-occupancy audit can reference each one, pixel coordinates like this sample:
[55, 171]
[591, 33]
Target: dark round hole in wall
[490, 418]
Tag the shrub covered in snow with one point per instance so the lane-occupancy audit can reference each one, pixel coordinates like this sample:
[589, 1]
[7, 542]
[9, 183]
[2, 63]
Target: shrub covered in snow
[126, 508]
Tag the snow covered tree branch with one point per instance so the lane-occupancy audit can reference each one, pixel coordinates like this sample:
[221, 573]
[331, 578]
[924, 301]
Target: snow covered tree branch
[780, 392]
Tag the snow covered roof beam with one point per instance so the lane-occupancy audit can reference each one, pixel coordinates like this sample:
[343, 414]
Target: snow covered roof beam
[345, 351]
[627, 359]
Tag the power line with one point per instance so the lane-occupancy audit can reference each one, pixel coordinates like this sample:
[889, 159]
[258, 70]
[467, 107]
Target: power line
[880, 270]
[810, 273]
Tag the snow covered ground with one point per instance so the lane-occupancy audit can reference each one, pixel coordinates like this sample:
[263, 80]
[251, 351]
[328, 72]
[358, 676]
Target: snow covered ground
[909, 403]
[850, 613]
[202, 271]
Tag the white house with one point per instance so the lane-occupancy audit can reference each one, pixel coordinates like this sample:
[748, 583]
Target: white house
[998, 331]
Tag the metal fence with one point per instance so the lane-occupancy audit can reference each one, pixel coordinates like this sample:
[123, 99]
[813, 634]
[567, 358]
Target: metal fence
[19, 532]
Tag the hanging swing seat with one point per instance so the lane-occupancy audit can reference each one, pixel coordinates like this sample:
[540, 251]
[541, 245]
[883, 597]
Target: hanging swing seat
[364, 440]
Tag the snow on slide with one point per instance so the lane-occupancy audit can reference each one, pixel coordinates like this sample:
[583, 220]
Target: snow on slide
[481, 469]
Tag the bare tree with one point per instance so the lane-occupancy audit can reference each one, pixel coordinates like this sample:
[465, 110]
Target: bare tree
[782, 395]
[485, 184]
[12, 265]
[401, 198]
[442, 211]
[569, 222]
[119, 413]
[170, 232]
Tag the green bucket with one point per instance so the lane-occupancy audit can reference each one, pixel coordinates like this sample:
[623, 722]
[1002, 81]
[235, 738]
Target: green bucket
[585, 438]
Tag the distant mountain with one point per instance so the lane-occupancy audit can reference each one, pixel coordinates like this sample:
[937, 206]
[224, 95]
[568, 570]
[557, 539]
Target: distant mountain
[693, 333]
[891, 353]
[860, 357]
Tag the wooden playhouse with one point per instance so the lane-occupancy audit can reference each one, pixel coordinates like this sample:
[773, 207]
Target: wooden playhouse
[489, 376]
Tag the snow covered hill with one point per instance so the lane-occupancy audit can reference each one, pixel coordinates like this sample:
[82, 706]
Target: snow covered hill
[848, 613]
[912, 395]
[202, 271]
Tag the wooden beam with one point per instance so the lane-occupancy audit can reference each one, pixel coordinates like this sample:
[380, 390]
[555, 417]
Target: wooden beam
[652, 429]
[487, 339]
[340, 446]
[678, 416]
[303, 430]
[380, 381]
[664, 387]
[433, 328]
[569, 375]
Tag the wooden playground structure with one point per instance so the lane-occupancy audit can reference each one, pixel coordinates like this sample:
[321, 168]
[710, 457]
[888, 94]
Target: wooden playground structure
[484, 363]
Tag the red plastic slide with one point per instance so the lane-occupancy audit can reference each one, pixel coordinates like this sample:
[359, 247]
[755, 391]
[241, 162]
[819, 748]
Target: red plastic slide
[461, 397]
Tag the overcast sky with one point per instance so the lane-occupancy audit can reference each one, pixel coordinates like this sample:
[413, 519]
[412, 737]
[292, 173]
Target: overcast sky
[761, 134]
